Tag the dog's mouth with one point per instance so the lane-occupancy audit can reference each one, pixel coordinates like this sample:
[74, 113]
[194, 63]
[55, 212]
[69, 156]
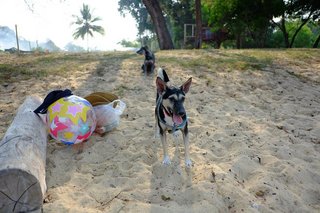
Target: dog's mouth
[177, 119]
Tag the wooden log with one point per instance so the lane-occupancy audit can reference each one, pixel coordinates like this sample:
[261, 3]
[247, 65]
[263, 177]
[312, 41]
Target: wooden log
[23, 160]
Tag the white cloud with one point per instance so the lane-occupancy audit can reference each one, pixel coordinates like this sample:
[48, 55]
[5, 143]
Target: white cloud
[52, 19]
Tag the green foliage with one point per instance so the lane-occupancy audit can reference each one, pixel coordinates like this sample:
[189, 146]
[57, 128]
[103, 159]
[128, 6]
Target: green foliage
[177, 13]
[246, 20]
[126, 43]
[301, 9]
[249, 22]
[138, 12]
[275, 39]
[305, 38]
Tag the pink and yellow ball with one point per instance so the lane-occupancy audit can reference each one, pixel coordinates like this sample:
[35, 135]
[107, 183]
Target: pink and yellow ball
[71, 120]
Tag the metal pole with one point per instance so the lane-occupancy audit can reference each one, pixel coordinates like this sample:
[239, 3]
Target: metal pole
[17, 38]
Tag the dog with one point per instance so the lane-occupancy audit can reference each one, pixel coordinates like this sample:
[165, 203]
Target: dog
[149, 60]
[170, 113]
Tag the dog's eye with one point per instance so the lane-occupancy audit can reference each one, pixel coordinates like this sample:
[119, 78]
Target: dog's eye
[172, 99]
[182, 99]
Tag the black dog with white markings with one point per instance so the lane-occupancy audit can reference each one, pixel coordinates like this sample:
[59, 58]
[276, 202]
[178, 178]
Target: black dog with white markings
[170, 113]
[149, 60]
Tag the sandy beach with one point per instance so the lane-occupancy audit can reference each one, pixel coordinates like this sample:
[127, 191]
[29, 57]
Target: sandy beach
[254, 136]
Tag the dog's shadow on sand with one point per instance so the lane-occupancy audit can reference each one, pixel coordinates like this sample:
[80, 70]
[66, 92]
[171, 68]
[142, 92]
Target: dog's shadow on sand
[169, 182]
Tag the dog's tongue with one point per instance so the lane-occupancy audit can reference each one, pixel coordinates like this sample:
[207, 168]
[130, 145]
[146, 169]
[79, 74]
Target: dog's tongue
[177, 119]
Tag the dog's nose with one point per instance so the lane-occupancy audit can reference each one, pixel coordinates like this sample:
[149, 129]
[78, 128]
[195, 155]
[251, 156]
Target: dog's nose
[181, 113]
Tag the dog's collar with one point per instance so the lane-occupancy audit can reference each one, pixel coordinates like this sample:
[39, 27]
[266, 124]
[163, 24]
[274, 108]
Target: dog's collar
[173, 127]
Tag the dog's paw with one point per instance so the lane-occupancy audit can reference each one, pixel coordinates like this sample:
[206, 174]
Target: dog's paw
[156, 135]
[166, 161]
[188, 163]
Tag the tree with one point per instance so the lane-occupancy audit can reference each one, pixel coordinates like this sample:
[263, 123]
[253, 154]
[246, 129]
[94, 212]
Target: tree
[159, 24]
[86, 26]
[126, 43]
[138, 12]
[303, 10]
[316, 43]
[177, 14]
[243, 19]
[306, 37]
[198, 39]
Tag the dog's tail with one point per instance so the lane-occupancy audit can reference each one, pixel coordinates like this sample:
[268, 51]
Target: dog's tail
[163, 75]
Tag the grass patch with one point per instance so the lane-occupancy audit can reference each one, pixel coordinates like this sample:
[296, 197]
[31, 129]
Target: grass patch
[304, 54]
[28, 66]
[14, 67]
[10, 72]
[221, 60]
[245, 62]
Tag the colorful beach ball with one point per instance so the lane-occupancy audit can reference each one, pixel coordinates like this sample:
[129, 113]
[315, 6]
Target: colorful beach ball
[71, 120]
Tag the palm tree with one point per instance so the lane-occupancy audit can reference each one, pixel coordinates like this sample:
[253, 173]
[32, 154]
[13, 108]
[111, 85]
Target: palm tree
[86, 26]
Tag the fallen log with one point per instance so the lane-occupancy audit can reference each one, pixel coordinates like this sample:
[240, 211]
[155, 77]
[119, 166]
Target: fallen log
[23, 160]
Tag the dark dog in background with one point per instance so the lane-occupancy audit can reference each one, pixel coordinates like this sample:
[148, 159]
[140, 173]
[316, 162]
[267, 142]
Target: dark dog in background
[170, 113]
[149, 60]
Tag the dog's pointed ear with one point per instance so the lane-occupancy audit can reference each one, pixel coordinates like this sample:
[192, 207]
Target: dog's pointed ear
[161, 85]
[186, 86]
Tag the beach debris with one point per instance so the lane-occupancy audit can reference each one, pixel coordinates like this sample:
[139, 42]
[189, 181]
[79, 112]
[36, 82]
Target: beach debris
[48, 199]
[259, 159]
[260, 193]
[108, 109]
[255, 205]
[213, 176]
[165, 198]
[108, 115]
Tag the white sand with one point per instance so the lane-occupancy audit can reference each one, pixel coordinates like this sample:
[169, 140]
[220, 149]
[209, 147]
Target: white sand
[254, 144]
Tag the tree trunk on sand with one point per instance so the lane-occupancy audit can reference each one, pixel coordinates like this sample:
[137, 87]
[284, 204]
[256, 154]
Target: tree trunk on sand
[23, 160]
[198, 40]
[159, 22]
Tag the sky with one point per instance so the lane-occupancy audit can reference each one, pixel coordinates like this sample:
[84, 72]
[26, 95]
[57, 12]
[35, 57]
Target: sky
[51, 19]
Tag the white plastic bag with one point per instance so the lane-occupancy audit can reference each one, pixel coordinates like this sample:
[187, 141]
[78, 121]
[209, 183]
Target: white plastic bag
[108, 115]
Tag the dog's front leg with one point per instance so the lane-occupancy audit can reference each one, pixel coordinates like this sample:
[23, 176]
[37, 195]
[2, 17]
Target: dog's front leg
[145, 69]
[185, 135]
[163, 136]
[156, 129]
[152, 67]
